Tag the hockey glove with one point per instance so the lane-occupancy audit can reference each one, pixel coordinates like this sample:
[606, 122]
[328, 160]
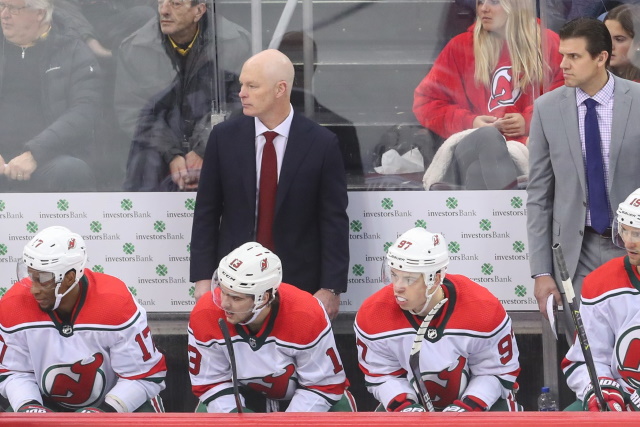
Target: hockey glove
[90, 410]
[612, 393]
[468, 404]
[402, 403]
[34, 407]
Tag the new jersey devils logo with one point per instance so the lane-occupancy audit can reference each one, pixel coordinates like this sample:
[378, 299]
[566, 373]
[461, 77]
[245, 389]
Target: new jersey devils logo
[628, 356]
[502, 92]
[264, 264]
[77, 385]
[275, 387]
[71, 244]
[447, 385]
[436, 240]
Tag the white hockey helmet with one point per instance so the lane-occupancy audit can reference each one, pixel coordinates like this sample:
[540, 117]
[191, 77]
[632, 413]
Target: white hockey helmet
[250, 269]
[55, 250]
[419, 251]
[628, 213]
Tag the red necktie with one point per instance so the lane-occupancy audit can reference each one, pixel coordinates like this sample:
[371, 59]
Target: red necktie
[267, 194]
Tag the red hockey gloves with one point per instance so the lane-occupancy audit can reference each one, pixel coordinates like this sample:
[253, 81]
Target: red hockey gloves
[612, 393]
[34, 407]
[468, 404]
[402, 403]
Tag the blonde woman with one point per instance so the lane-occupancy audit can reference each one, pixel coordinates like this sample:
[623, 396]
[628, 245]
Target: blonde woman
[490, 75]
[620, 22]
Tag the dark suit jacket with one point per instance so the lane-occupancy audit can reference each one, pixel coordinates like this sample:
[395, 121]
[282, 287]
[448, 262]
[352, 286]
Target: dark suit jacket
[311, 227]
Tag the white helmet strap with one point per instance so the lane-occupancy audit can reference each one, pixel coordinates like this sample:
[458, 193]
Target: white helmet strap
[59, 296]
[257, 310]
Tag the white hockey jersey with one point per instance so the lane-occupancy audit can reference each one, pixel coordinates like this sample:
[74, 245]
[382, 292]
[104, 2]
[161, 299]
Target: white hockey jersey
[469, 348]
[106, 348]
[610, 310]
[293, 357]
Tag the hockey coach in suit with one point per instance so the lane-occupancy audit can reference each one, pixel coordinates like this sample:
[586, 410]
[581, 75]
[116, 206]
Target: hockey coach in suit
[308, 228]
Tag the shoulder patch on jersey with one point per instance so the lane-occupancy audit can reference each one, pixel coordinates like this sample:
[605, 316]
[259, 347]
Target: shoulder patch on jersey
[380, 313]
[476, 309]
[18, 306]
[203, 320]
[301, 319]
[609, 276]
[108, 302]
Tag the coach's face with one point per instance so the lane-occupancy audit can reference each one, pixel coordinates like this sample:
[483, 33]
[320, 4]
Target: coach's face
[258, 90]
[579, 68]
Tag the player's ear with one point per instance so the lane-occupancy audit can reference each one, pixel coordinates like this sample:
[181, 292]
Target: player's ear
[68, 279]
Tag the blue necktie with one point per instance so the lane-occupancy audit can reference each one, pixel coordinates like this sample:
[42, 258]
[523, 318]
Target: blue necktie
[598, 204]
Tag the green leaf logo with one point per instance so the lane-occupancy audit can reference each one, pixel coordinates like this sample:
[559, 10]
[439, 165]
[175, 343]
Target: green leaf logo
[518, 246]
[128, 248]
[161, 270]
[485, 225]
[2, 205]
[454, 247]
[516, 202]
[133, 291]
[520, 290]
[126, 204]
[387, 203]
[192, 291]
[386, 246]
[421, 223]
[189, 247]
[451, 203]
[98, 268]
[32, 227]
[3, 249]
[487, 269]
[95, 226]
[63, 205]
[355, 226]
[358, 270]
[190, 204]
[3, 291]
[159, 226]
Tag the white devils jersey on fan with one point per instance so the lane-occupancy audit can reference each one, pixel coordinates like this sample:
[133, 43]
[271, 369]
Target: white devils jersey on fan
[610, 311]
[293, 357]
[105, 348]
[468, 350]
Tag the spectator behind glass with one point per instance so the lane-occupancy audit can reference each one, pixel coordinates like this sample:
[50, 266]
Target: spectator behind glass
[620, 23]
[171, 75]
[487, 78]
[291, 45]
[49, 97]
[476, 82]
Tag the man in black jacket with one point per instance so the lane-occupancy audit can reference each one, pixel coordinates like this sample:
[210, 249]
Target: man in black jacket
[49, 97]
[172, 74]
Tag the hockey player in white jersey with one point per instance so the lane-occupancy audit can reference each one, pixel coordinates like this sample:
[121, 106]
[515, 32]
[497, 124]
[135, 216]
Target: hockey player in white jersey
[72, 339]
[282, 338]
[610, 310]
[469, 356]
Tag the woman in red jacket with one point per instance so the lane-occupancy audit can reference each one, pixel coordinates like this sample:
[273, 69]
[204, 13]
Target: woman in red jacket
[490, 75]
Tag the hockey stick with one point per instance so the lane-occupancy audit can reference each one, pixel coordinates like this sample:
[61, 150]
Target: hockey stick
[568, 295]
[414, 358]
[232, 361]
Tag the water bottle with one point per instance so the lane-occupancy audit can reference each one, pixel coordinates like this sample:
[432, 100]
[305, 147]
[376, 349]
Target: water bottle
[546, 402]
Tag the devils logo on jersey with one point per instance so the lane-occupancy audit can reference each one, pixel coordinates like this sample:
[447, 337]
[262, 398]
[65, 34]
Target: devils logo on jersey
[628, 356]
[264, 264]
[275, 387]
[76, 385]
[447, 385]
[502, 92]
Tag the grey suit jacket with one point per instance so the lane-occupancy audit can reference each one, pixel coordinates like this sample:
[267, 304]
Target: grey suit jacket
[557, 199]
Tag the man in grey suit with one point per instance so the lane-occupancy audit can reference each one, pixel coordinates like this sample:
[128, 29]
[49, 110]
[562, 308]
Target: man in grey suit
[559, 206]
